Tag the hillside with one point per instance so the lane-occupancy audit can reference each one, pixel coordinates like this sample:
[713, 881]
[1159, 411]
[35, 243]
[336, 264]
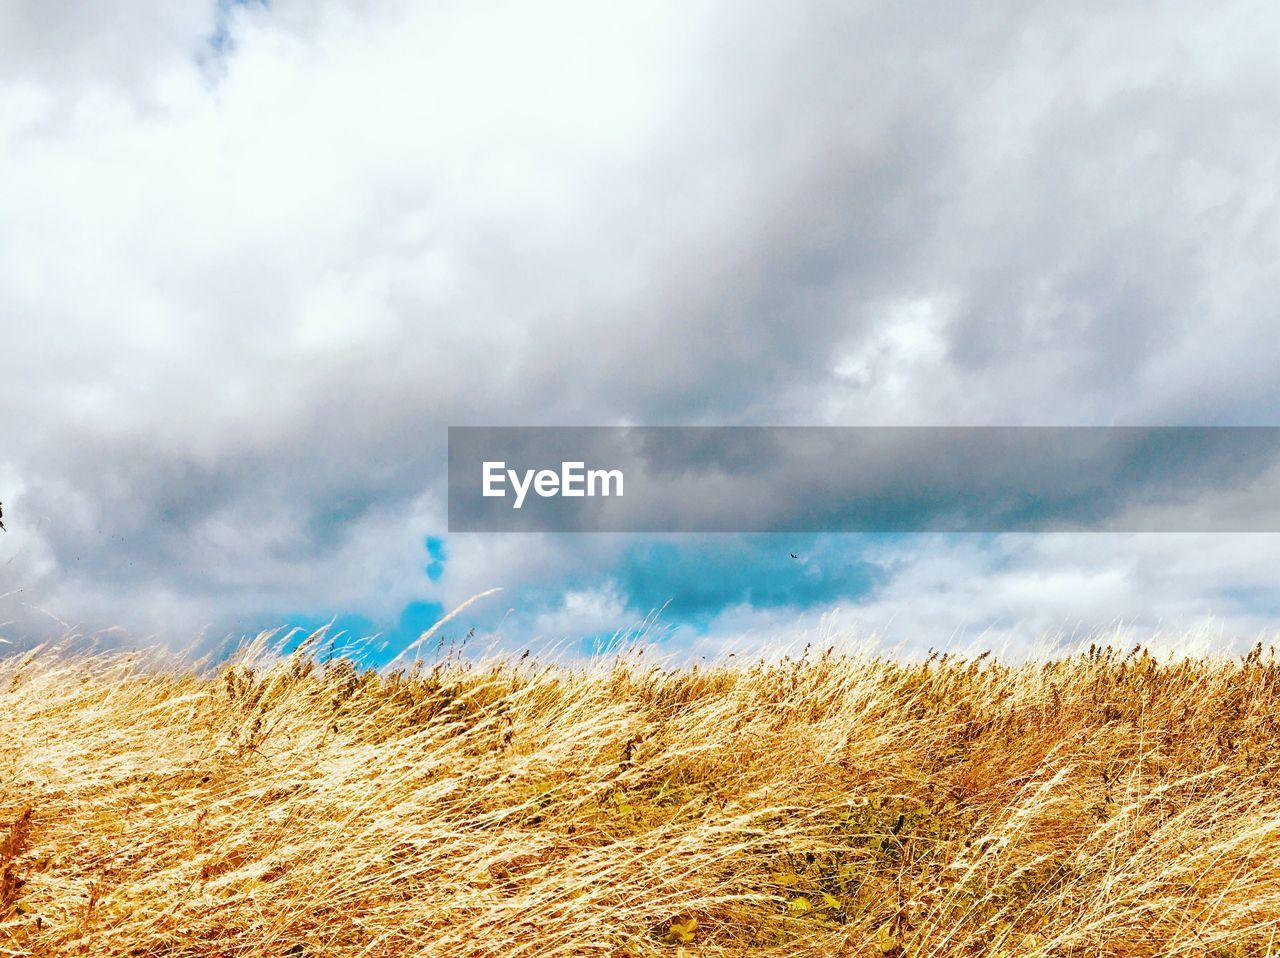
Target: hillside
[1104, 804]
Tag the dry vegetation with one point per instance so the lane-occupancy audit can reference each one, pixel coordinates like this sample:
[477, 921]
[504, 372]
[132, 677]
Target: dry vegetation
[1104, 804]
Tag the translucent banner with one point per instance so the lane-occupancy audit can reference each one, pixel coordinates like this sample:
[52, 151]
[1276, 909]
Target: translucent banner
[864, 479]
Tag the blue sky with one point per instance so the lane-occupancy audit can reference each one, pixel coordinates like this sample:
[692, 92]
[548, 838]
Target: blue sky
[257, 258]
[909, 592]
[675, 585]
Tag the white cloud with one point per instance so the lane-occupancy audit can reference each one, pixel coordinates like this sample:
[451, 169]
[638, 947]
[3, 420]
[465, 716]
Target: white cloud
[242, 293]
[1015, 591]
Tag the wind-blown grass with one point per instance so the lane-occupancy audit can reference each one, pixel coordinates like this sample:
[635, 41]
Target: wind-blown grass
[1102, 804]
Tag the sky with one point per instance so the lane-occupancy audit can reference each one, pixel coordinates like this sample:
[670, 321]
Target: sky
[255, 258]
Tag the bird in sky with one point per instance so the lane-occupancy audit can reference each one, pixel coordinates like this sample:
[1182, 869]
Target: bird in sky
[2, 528]
[794, 556]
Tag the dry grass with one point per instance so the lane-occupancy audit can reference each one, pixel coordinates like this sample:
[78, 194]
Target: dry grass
[1106, 804]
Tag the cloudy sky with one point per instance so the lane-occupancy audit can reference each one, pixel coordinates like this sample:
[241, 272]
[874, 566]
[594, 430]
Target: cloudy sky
[255, 258]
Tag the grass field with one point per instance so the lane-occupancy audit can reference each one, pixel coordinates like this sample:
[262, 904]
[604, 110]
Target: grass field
[1102, 804]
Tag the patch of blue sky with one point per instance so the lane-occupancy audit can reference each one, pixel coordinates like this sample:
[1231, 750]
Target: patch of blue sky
[221, 39]
[600, 644]
[341, 630]
[670, 587]
[1261, 601]
[436, 557]
[363, 640]
[696, 579]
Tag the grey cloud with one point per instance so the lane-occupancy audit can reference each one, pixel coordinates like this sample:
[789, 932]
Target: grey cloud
[78, 47]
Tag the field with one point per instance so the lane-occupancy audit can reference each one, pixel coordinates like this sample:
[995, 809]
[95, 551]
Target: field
[1107, 803]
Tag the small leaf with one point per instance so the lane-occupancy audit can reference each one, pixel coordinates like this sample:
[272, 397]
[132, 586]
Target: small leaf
[683, 931]
[885, 943]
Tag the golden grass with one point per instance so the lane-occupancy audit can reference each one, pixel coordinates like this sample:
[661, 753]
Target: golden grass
[1103, 804]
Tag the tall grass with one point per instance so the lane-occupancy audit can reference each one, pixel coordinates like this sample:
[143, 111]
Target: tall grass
[1102, 804]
